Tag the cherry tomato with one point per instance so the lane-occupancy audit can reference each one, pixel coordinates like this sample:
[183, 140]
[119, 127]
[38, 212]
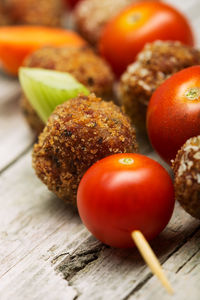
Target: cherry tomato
[174, 111]
[140, 23]
[122, 193]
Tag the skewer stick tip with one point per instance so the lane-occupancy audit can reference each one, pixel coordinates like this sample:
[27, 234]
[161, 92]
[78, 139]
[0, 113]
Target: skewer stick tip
[151, 259]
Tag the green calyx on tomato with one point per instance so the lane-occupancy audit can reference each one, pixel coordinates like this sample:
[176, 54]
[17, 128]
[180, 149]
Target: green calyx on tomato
[126, 161]
[193, 93]
[134, 18]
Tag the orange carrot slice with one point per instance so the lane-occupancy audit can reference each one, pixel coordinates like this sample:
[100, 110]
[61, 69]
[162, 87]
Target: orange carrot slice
[18, 41]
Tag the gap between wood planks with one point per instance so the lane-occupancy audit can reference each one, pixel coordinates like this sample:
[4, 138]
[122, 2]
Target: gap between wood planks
[56, 222]
[145, 279]
[11, 163]
[15, 135]
[184, 274]
[71, 265]
[196, 231]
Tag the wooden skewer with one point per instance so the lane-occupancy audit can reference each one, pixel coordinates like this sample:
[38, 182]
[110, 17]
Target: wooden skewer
[151, 259]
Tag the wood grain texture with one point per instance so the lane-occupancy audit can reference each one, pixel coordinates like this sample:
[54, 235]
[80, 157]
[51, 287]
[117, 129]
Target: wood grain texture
[45, 251]
[15, 135]
[183, 272]
[41, 237]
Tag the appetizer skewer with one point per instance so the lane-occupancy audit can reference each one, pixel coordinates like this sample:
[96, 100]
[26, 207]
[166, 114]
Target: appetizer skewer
[124, 197]
[79, 133]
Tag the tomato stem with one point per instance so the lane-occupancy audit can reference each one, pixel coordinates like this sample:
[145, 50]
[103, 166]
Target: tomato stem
[126, 161]
[193, 93]
[134, 18]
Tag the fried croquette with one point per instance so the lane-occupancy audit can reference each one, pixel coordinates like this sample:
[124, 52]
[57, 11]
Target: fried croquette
[80, 132]
[186, 168]
[82, 63]
[33, 12]
[157, 62]
[4, 16]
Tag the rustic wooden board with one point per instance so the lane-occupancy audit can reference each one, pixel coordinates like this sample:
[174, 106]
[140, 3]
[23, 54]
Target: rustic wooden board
[41, 236]
[45, 251]
[15, 135]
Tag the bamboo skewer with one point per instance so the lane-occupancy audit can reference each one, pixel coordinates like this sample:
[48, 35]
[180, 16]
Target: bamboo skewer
[151, 259]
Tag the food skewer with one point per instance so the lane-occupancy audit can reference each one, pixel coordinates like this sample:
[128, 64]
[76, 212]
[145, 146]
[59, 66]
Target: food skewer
[121, 205]
[135, 206]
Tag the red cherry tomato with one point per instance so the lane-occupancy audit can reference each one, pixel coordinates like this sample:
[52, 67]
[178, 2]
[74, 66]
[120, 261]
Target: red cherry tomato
[174, 112]
[122, 193]
[140, 23]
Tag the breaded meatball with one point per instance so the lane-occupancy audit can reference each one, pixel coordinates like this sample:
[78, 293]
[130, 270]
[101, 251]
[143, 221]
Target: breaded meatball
[78, 133]
[82, 63]
[34, 12]
[4, 17]
[186, 169]
[92, 15]
[157, 62]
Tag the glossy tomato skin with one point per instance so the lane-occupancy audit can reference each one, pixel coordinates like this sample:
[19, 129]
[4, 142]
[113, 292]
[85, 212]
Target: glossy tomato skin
[115, 198]
[172, 117]
[140, 23]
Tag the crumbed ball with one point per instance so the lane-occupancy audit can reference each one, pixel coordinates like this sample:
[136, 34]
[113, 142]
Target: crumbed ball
[81, 62]
[157, 62]
[186, 167]
[4, 17]
[92, 15]
[80, 132]
[34, 12]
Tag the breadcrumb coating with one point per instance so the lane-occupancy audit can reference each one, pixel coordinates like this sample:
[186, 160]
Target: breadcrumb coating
[186, 167]
[81, 62]
[80, 132]
[4, 17]
[34, 12]
[157, 62]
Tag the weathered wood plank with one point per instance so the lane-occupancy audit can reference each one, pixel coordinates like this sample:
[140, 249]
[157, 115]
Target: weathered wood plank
[119, 272]
[38, 231]
[35, 228]
[15, 135]
[29, 214]
[183, 272]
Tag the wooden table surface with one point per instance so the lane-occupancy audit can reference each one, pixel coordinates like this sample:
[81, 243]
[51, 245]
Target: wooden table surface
[45, 251]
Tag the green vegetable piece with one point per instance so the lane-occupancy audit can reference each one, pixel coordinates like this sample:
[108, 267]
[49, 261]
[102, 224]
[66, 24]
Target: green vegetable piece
[45, 89]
